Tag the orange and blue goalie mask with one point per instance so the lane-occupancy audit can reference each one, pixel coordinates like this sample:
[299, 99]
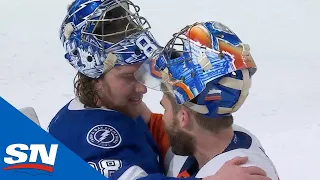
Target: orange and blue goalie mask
[195, 56]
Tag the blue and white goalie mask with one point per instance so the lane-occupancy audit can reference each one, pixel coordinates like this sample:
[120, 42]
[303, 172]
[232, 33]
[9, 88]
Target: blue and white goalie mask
[100, 34]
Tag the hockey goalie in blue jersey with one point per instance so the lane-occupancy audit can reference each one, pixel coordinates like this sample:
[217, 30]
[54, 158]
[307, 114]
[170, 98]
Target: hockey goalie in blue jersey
[107, 124]
[105, 42]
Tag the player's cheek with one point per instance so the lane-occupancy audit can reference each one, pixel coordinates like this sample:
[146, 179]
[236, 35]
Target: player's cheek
[166, 118]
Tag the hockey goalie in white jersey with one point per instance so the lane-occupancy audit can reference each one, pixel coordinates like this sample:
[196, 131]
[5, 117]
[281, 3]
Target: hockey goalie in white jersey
[205, 72]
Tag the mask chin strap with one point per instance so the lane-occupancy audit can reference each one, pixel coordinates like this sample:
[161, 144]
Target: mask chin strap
[109, 62]
[242, 85]
[202, 109]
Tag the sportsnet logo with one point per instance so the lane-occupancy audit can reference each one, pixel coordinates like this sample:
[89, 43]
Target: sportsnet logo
[21, 156]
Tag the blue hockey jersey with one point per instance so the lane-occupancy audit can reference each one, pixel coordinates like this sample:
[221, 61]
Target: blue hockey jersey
[114, 144]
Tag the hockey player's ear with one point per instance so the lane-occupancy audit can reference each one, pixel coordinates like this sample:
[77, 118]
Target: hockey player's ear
[101, 81]
[98, 84]
[98, 88]
[184, 118]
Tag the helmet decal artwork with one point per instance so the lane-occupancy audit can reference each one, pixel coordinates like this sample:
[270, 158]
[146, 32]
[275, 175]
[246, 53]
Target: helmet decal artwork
[100, 34]
[204, 63]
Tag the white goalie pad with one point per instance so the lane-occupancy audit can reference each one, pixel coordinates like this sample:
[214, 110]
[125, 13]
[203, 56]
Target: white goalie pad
[31, 114]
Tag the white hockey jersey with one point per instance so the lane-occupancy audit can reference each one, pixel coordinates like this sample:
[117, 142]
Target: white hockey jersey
[243, 144]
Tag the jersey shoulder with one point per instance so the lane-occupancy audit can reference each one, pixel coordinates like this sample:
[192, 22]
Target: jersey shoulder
[244, 145]
[74, 117]
[101, 136]
[95, 130]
